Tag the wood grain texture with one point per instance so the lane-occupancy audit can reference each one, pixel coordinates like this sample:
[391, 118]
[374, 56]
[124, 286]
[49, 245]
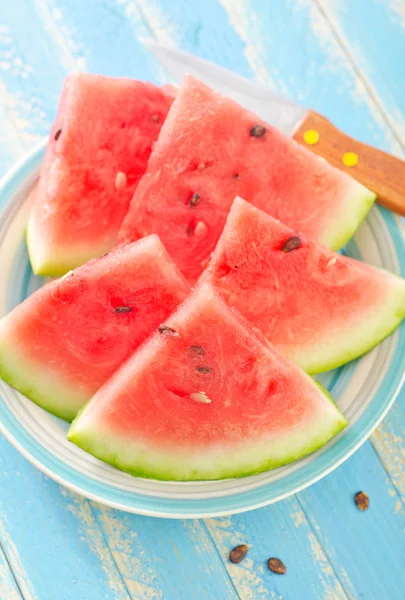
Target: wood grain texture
[382, 173]
[8, 584]
[373, 36]
[324, 55]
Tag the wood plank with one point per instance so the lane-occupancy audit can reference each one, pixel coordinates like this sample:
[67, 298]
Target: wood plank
[54, 550]
[389, 443]
[26, 102]
[378, 57]
[161, 558]
[8, 586]
[362, 546]
[199, 27]
[105, 38]
[281, 530]
[71, 548]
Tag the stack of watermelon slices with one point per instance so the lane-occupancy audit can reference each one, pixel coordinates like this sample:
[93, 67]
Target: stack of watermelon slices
[190, 384]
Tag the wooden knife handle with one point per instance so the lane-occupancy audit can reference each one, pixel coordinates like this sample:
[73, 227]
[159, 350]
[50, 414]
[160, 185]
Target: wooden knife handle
[380, 172]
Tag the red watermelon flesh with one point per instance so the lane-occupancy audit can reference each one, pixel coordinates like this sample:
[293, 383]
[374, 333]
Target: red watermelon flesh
[206, 398]
[98, 150]
[62, 343]
[211, 150]
[319, 308]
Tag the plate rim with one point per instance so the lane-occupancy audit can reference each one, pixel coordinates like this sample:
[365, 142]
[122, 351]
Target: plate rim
[343, 447]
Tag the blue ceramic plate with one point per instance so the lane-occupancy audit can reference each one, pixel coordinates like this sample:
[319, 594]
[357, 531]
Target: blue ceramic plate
[364, 389]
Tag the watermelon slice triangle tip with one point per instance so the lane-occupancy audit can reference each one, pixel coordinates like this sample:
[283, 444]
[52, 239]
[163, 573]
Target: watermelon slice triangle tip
[321, 309]
[63, 342]
[206, 398]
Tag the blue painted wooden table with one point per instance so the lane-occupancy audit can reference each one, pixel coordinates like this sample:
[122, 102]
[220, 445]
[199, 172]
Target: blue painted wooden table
[344, 59]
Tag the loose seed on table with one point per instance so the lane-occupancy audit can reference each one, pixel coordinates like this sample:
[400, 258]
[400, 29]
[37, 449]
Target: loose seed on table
[238, 553]
[362, 500]
[276, 566]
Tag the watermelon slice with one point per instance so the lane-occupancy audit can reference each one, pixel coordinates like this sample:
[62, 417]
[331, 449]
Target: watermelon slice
[319, 308]
[98, 150]
[211, 150]
[62, 343]
[206, 398]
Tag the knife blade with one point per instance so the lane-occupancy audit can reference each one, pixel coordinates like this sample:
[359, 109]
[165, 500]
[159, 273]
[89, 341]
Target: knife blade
[262, 100]
[377, 170]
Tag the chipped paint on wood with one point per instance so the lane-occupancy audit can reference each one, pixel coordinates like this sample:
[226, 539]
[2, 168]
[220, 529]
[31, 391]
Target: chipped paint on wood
[139, 577]
[14, 561]
[389, 443]
[247, 576]
[146, 31]
[245, 21]
[17, 131]
[348, 17]
[82, 510]
[72, 56]
[352, 549]
[161, 28]
[157, 555]
[266, 532]
[8, 585]
[397, 7]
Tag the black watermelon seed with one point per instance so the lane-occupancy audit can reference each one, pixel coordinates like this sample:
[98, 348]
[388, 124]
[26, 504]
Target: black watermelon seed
[122, 309]
[258, 131]
[167, 331]
[362, 500]
[57, 134]
[238, 553]
[276, 566]
[204, 370]
[292, 243]
[196, 350]
[195, 199]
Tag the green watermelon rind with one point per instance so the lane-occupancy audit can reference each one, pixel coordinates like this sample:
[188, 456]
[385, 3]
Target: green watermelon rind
[318, 360]
[21, 374]
[57, 267]
[163, 468]
[355, 209]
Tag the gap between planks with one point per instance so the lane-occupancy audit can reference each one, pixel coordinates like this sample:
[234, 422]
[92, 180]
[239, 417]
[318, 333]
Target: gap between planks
[341, 41]
[9, 586]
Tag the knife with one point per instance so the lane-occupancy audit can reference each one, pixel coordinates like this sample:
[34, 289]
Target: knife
[377, 170]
